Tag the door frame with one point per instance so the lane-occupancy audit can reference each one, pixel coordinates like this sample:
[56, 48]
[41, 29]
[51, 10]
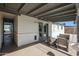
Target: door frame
[46, 30]
[2, 44]
[41, 31]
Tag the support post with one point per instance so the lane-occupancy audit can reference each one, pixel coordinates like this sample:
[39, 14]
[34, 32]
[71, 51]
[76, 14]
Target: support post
[77, 21]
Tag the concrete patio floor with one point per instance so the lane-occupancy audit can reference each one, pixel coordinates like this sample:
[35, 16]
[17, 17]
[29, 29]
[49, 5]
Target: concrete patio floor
[36, 50]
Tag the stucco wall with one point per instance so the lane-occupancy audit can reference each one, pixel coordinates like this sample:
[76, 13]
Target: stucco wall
[27, 29]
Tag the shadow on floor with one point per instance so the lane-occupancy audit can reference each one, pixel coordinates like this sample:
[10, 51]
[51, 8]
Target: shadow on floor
[28, 45]
[62, 48]
[55, 48]
[15, 48]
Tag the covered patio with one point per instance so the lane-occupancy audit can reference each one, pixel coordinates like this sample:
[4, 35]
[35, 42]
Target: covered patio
[37, 49]
[32, 22]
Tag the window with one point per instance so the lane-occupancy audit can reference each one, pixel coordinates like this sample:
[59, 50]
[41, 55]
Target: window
[40, 27]
[45, 28]
[61, 27]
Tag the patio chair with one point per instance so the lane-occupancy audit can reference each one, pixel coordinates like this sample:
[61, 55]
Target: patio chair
[63, 41]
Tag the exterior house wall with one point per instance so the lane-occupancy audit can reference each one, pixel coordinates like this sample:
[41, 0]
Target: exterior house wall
[28, 28]
[25, 28]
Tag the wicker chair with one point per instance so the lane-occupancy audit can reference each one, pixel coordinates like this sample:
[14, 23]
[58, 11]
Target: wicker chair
[63, 41]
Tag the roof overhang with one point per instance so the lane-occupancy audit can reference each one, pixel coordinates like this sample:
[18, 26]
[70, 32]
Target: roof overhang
[54, 12]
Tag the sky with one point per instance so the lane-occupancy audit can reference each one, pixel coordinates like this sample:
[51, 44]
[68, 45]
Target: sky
[70, 23]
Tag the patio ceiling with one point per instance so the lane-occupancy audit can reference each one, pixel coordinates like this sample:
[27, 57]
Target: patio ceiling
[46, 11]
